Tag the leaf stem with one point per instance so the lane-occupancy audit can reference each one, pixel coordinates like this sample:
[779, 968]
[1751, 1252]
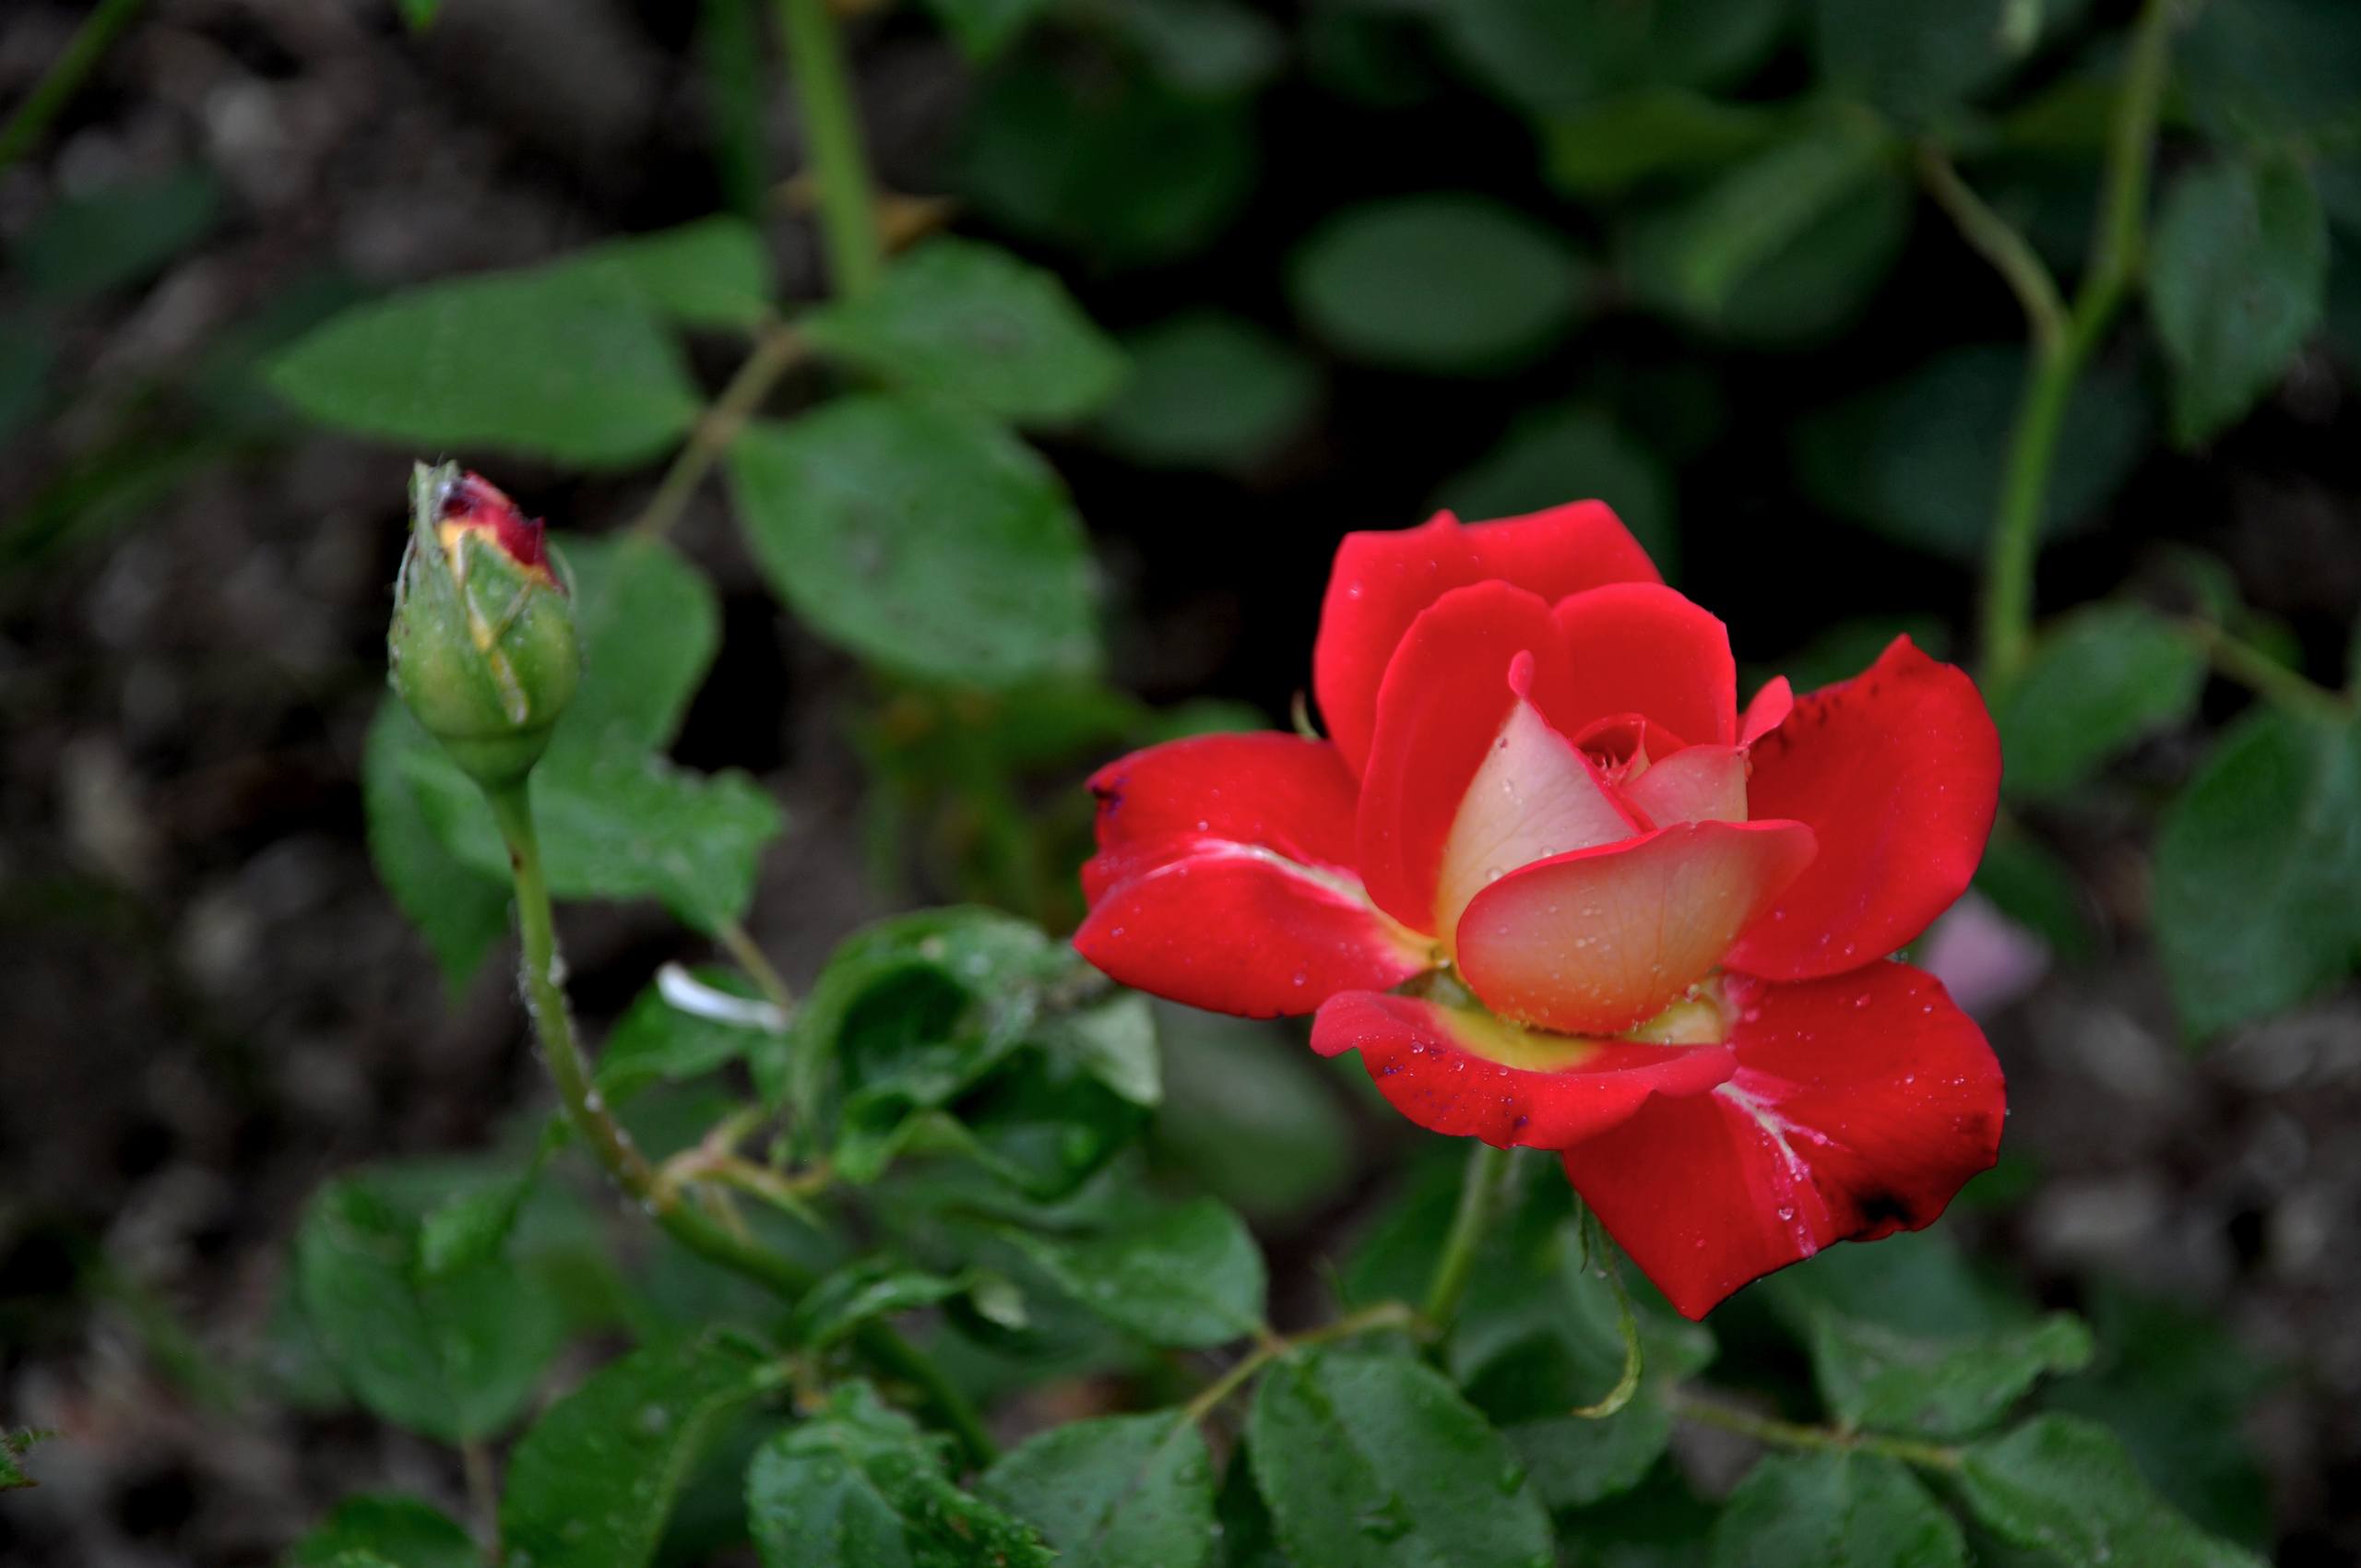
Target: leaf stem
[1479, 1199]
[1791, 1434]
[832, 132]
[1997, 240]
[484, 1488]
[1598, 1249]
[2057, 360]
[2289, 690]
[749, 955]
[64, 76]
[1369, 1320]
[630, 1170]
[777, 348]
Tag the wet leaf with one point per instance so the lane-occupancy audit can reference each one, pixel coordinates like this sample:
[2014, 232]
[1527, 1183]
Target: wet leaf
[591, 1484]
[844, 509]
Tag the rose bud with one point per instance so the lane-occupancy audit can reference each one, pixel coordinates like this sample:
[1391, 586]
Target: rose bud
[482, 645]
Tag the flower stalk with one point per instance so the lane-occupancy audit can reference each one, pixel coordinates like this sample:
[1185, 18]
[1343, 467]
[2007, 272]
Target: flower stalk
[630, 1170]
[1775, 1433]
[825, 102]
[2059, 355]
[1479, 1199]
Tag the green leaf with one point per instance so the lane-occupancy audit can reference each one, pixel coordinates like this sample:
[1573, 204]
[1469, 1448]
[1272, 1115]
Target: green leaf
[1806, 1510]
[849, 509]
[863, 1289]
[2177, 1387]
[27, 357]
[972, 323]
[1187, 1276]
[1919, 63]
[563, 363]
[1698, 255]
[2031, 887]
[459, 909]
[1371, 58]
[470, 1230]
[400, 1530]
[1249, 1116]
[1784, 248]
[620, 824]
[1548, 56]
[1449, 284]
[735, 77]
[945, 1032]
[1373, 1461]
[1114, 1042]
[1203, 48]
[592, 1482]
[1209, 390]
[455, 1357]
[1047, 1118]
[1659, 1524]
[983, 28]
[117, 235]
[2238, 279]
[708, 273]
[1118, 166]
[1914, 460]
[1120, 1491]
[858, 1486]
[1563, 451]
[1605, 148]
[1240, 1512]
[918, 1005]
[2065, 1488]
[1882, 1379]
[2103, 677]
[1918, 1283]
[685, 1026]
[649, 626]
[420, 13]
[2273, 72]
[2257, 877]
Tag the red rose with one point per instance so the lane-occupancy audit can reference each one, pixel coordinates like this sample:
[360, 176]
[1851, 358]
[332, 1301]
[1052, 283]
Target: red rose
[1673, 918]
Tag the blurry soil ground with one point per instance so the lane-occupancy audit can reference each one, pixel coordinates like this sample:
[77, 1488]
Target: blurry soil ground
[211, 1005]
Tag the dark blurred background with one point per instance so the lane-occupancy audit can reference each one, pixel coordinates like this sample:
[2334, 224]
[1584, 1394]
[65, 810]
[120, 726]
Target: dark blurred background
[211, 1003]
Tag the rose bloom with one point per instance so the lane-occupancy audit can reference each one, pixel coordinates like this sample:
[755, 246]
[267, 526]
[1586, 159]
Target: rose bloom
[1560, 892]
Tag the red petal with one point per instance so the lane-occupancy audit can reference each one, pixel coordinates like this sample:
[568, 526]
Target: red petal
[1224, 878]
[1860, 1105]
[1640, 648]
[1382, 580]
[1447, 700]
[1467, 1073]
[1898, 771]
[1597, 941]
[1767, 711]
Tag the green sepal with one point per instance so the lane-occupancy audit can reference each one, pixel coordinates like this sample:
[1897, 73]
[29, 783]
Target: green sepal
[483, 647]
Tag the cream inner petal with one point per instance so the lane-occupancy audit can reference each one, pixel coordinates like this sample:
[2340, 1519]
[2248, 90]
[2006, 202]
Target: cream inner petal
[1596, 944]
[1700, 784]
[1533, 796]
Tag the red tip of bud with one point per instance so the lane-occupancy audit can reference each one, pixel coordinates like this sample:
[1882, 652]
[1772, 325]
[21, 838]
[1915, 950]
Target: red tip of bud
[475, 503]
